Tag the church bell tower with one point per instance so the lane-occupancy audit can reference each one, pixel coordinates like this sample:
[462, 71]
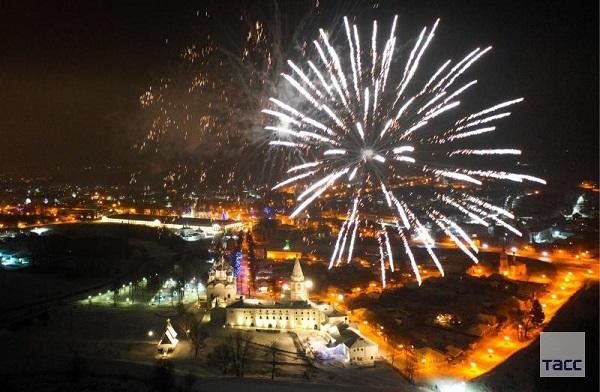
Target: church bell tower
[297, 285]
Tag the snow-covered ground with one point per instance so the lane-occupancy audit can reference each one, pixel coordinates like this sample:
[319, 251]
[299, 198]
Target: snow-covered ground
[114, 344]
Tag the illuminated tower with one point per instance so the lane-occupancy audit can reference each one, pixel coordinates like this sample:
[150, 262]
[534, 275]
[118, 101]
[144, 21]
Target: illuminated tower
[297, 285]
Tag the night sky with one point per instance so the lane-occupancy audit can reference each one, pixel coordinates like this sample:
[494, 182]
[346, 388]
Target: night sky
[71, 74]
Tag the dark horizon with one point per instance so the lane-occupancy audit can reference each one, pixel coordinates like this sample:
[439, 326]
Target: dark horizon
[71, 75]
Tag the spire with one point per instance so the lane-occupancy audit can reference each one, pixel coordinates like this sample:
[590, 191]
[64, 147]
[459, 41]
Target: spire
[297, 275]
[298, 289]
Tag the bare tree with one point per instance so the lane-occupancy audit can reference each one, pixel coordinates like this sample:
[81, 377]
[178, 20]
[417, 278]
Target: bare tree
[410, 364]
[185, 319]
[221, 357]
[197, 335]
[241, 345]
[274, 349]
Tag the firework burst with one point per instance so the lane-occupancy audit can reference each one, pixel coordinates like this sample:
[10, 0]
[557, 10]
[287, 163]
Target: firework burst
[361, 119]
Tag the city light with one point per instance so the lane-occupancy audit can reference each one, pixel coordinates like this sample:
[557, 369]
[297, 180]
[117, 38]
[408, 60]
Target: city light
[299, 185]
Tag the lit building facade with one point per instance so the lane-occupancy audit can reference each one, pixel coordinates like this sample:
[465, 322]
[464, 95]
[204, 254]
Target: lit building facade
[209, 226]
[221, 286]
[275, 315]
[362, 352]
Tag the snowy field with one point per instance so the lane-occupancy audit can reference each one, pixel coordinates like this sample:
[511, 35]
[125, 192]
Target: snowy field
[115, 352]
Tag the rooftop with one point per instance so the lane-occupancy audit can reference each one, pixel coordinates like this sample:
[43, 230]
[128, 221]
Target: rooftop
[254, 304]
[173, 219]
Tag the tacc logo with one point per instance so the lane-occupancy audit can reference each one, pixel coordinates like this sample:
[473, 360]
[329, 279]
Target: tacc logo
[560, 365]
[562, 354]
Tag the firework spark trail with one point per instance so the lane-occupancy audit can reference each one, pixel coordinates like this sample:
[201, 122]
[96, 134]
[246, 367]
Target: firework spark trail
[381, 261]
[336, 60]
[415, 65]
[455, 68]
[389, 52]
[352, 56]
[489, 206]
[426, 240]
[318, 193]
[507, 226]
[411, 257]
[469, 133]
[454, 239]
[495, 218]
[358, 56]
[374, 51]
[301, 89]
[497, 151]
[466, 66]
[388, 248]
[434, 76]
[351, 247]
[316, 185]
[337, 244]
[494, 108]
[483, 121]
[460, 91]
[280, 115]
[532, 178]
[400, 87]
[321, 78]
[303, 166]
[460, 232]
[457, 176]
[305, 78]
[404, 107]
[476, 218]
[357, 128]
[293, 179]
[284, 143]
[360, 130]
[401, 211]
[349, 220]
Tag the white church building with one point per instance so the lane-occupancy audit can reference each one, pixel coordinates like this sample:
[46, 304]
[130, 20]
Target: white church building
[221, 285]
